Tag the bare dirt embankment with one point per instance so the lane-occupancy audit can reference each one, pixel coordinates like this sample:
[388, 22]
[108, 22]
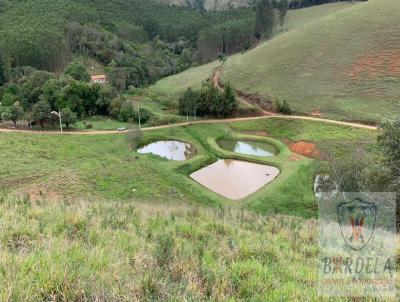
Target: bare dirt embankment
[258, 102]
[308, 149]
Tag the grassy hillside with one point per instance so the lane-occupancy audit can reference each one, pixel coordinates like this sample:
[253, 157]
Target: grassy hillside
[105, 167]
[99, 250]
[341, 66]
[193, 77]
[300, 17]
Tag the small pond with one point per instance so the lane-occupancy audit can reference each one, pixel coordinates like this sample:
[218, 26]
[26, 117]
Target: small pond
[235, 179]
[248, 147]
[172, 150]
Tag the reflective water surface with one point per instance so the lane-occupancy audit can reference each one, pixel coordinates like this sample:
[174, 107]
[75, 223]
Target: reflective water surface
[235, 179]
[248, 147]
[172, 150]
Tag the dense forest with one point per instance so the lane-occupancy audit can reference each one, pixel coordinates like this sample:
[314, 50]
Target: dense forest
[226, 4]
[296, 4]
[42, 43]
[46, 34]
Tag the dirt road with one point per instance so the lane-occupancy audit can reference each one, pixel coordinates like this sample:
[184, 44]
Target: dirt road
[213, 121]
[217, 83]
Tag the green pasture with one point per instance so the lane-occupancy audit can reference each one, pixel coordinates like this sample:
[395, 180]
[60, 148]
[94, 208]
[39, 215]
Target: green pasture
[340, 66]
[106, 166]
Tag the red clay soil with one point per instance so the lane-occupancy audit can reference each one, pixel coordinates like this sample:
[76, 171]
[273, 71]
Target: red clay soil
[215, 78]
[386, 63]
[304, 148]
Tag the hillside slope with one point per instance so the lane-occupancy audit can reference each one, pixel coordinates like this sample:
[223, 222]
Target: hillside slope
[342, 66]
[99, 250]
[195, 76]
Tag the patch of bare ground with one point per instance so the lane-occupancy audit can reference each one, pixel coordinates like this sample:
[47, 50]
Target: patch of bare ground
[266, 106]
[53, 188]
[316, 113]
[39, 192]
[18, 181]
[308, 149]
[384, 63]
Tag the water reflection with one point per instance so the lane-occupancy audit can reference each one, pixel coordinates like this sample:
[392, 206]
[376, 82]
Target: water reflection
[172, 150]
[248, 147]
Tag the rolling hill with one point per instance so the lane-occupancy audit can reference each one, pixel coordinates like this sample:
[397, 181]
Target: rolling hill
[341, 66]
[193, 77]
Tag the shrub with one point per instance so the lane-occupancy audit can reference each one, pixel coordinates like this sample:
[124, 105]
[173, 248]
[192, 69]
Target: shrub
[187, 102]
[208, 101]
[129, 112]
[283, 107]
[230, 103]
[115, 106]
[5, 114]
[41, 112]
[106, 94]
[134, 137]
[78, 71]
[16, 112]
[145, 115]
[68, 117]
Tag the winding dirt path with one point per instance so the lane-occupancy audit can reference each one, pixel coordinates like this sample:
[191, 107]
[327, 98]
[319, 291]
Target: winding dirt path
[212, 121]
[216, 79]
[217, 83]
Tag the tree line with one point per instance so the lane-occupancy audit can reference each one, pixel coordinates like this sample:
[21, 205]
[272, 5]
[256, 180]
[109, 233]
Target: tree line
[296, 4]
[47, 34]
[208, 101]
[140, 41]
[376, 169]
[239, 34]
[148, 40]
[38, 96]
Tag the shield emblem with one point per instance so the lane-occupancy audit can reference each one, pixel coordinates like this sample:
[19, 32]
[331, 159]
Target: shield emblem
[357, 220]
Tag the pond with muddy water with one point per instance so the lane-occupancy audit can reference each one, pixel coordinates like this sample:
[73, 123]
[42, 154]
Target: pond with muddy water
[235, 179]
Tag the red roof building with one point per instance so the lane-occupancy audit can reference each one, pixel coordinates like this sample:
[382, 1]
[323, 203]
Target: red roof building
[101, 79]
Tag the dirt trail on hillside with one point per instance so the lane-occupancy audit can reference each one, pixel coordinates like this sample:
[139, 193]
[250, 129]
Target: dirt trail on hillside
[217, 83]
[216, 79]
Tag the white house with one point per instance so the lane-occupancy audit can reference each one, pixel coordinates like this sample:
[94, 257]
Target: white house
[100, 79]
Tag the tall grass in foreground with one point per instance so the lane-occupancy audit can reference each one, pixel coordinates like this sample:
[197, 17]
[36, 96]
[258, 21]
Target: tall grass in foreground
[96, 250]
